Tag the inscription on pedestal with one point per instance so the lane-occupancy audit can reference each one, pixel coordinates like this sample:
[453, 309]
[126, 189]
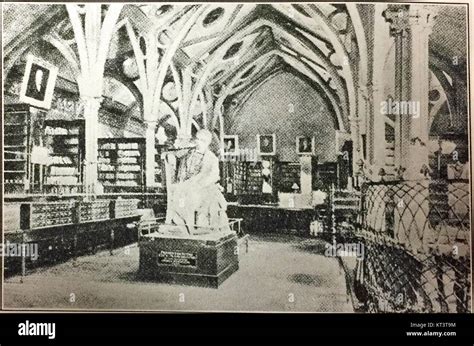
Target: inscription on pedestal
[174, 258]
[202, 260]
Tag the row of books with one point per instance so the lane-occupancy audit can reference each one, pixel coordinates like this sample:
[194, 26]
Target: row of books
[50, 130]
[62, 180]
[59, 170]
[120, 160]
[124, 146]
[105, 167]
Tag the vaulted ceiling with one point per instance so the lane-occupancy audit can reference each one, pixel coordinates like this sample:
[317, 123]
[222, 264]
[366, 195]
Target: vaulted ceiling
[232, 48]
[236, 46]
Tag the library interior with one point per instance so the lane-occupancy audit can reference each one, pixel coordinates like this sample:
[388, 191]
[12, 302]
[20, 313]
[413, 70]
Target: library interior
[236, 157]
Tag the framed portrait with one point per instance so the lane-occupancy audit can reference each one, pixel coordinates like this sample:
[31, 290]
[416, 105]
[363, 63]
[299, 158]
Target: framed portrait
[266, 144]
[305, 145]
[230, 144]
[38, 82]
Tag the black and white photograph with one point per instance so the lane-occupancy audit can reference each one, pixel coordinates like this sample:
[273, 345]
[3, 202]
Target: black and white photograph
[349, 187]
[38, 82]
[231, 144]
[305, 145]
[266, 144]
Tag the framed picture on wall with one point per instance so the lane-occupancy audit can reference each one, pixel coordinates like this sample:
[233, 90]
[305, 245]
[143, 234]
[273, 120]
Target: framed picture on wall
[305, 145]
[230, 144]
[266, 144]
[38, 82]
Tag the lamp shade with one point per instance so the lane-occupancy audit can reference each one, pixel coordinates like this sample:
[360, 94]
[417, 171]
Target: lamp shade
[447, 147]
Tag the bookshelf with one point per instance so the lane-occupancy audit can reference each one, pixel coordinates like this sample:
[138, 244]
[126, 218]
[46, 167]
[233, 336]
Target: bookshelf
[236, 177]
[16, 148]
[254, 178]
[245, 177]
[288, 174]
[121, 164]
[65, 142]
[327, 174]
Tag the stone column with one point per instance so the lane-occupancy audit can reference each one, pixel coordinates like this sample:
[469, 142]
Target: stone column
[91, 116]
[150, 153]
[411, 25]
[421, 20]
[378, 129]
[397, 16]
[415, 133]
[375, 124]
[354, 123]
[93, 26]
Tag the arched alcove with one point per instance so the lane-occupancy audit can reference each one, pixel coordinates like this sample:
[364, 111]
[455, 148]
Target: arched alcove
[289, 107]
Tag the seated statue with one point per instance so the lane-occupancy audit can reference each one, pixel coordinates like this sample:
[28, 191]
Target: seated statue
[195, 200]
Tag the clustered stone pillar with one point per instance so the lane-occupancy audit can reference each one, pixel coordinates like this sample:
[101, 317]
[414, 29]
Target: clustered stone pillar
[376, 141]
[411, 27]
[409, 199]
[91, 116]
[93, 30]
[377, 156]
[421, 20]
[397, 15]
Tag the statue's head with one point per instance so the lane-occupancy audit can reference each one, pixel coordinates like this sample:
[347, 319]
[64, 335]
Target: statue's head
[203, 139]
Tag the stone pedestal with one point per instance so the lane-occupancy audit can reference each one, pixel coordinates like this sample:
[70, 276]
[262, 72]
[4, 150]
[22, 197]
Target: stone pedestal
[202, 260]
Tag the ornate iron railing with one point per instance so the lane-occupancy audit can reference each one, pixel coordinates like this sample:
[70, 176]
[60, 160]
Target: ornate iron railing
[416, 238]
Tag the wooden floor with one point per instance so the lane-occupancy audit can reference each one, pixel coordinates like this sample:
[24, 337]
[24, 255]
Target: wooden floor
[279, 273]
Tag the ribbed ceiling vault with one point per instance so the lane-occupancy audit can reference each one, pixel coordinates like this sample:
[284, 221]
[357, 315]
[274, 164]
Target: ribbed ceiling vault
[230, 48]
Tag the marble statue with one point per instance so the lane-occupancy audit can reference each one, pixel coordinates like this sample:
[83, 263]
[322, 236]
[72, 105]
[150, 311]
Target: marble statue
[195, 200]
